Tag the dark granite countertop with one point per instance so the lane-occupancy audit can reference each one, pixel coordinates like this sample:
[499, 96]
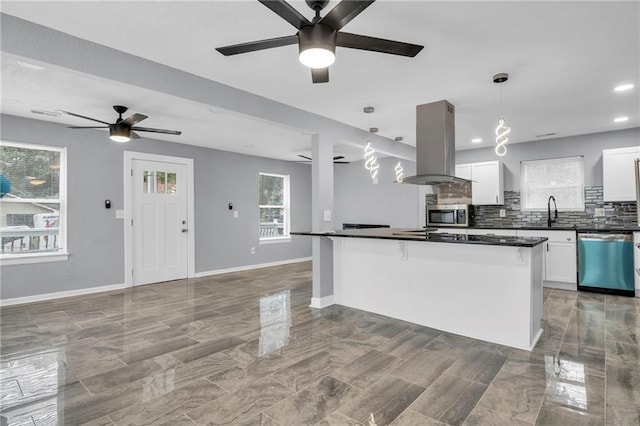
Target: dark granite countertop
[403, 234]
[554, 227]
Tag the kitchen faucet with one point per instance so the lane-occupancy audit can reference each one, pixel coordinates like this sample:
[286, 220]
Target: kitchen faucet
[555, 208]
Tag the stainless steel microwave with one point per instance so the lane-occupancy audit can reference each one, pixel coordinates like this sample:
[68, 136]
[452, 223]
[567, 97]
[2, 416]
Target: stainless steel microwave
[450, 215]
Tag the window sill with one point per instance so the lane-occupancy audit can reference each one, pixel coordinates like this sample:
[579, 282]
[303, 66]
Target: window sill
[24, 259]
[275, 240]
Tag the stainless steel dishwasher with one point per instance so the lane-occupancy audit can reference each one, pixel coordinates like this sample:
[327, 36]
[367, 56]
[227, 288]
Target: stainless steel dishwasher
[605, 263]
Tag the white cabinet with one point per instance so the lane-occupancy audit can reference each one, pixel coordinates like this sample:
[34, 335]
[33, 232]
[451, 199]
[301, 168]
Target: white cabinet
[463, 171]
[487, 181]
[618, 173]
[560, 257]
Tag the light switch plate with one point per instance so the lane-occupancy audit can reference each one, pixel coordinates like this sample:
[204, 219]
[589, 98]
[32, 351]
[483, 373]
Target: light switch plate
[235, 214]
[599, 212]
[119, 214]
[327, 215]
[503, 212]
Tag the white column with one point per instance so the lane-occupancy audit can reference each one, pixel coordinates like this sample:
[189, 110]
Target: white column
[322, 219]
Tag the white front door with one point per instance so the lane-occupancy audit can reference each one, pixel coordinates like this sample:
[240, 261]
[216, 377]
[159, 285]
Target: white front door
[159, 221]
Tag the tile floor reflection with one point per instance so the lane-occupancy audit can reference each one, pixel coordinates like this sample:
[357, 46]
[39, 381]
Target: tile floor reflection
[245, 349]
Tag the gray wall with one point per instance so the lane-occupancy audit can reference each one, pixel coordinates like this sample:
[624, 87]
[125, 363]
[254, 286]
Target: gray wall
[358, 200]
[96, 237]
[590, 146]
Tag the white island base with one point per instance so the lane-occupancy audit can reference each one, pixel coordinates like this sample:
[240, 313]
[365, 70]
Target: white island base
[487, 292]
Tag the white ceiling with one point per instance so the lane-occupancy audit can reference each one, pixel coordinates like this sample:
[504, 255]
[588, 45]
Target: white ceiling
[564, 59]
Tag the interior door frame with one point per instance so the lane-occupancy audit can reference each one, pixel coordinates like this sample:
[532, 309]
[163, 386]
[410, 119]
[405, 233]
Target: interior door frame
[129, 157]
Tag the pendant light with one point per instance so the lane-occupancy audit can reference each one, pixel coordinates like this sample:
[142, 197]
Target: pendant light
[370, 159]
[502, 130]
[398, 169]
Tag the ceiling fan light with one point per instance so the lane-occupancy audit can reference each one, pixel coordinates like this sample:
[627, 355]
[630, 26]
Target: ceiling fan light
[120, 134]
[317, 46]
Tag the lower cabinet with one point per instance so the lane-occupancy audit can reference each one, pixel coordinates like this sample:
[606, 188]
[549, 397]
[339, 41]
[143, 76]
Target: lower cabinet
[560, 257]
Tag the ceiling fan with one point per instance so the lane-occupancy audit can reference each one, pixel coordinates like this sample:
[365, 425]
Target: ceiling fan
[123, 129]
[335, 159]
[317, 39]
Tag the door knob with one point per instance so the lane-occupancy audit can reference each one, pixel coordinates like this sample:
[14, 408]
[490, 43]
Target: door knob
[184, 229]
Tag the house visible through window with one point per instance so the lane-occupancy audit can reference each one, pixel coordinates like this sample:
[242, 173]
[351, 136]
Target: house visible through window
[274, 206]
[32, 202]
[561, 177]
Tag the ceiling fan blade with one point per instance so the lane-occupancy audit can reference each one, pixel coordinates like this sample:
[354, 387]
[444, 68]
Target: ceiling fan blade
[304, 156]
[134, 118]
[286, 12]
[82, 116]
[252, 46]
[338, 157]
[373, 44]
[344, 12]
[134, 135]
[87, 127]
[320, 75]
[149, 129]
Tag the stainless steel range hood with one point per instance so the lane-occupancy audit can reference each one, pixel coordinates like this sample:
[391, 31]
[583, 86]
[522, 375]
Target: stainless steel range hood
[435, 145]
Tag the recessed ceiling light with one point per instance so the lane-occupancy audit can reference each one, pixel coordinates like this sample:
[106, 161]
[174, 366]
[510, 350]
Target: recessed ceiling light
[476, 140]
[624, 87]
[621, 119]
[28, 66]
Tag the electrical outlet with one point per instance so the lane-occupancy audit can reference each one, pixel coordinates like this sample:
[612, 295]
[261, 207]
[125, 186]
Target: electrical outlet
[253, 250]
[599, 212]
[503, 212]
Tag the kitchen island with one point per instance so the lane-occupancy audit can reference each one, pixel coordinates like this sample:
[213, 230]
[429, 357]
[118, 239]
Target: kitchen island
[484, 287]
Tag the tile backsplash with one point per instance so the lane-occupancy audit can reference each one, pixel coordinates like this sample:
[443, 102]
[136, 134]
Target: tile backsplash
[616, 213]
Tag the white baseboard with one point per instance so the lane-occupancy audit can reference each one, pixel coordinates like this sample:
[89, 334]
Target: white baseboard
[322, 302]
[249, 267]
[59, 294]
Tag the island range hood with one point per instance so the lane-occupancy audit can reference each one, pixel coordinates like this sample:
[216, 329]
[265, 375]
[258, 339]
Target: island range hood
[435, 145]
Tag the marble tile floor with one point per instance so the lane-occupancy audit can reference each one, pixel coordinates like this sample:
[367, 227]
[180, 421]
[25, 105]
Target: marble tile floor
[245, 349]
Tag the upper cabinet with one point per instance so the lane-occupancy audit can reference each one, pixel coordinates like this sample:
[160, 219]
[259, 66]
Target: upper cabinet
[618, 173]
[463, 171]
[487, 182]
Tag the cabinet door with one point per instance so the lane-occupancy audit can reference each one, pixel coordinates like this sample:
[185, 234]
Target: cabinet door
[618, 173]
[463, 171]
[487, 183]
[560, 262]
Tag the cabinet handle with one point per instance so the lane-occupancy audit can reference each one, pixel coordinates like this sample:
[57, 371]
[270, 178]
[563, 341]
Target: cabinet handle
[569, 239]
[496, 199]
[638, 245]
[547, 246]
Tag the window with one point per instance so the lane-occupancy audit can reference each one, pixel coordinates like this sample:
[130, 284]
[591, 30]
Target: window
[561, 177]
[32, 202]
[274, 206]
